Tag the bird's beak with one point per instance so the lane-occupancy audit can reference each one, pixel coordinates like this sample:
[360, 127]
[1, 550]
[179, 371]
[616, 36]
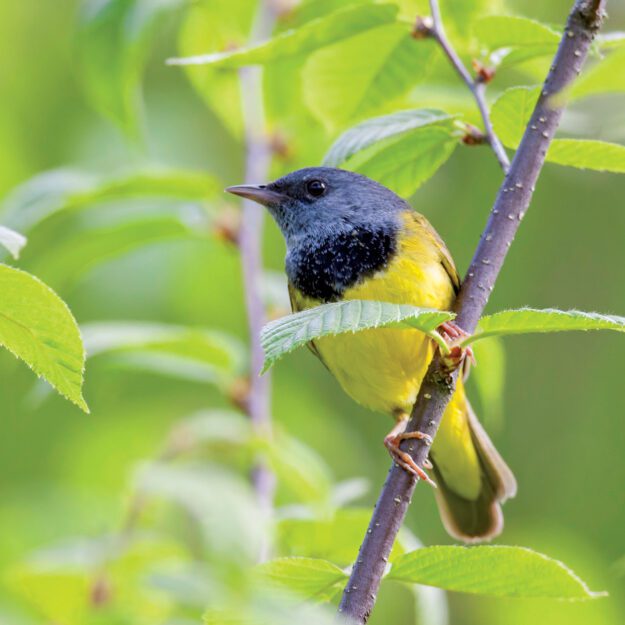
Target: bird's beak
[258, 193]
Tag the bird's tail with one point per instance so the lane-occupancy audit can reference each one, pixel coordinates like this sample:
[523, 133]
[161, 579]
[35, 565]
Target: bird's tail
[473, 516]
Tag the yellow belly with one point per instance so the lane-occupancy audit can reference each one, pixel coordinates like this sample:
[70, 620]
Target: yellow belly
[382, 369]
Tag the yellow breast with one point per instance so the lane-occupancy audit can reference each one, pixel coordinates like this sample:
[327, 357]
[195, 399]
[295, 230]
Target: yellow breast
[382, 369]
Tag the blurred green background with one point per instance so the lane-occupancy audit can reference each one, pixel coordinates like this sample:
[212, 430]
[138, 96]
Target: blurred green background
[64, 473]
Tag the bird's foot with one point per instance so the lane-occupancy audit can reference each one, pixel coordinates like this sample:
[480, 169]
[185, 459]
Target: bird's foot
[393, 440]
[453, 336]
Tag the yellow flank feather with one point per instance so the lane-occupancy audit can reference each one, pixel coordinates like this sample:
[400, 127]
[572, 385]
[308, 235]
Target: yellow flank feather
[382, 369]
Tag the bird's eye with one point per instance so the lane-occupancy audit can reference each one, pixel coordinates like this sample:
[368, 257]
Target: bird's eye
[316, 187]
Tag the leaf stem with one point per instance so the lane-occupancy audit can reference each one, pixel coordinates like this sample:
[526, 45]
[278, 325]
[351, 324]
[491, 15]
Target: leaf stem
[477, 87]
[258, 160]
[438, 385]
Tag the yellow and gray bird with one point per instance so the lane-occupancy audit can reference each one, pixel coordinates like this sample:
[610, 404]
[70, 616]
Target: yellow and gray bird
[349, 237]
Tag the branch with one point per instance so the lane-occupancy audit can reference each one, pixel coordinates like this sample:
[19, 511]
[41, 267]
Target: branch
[258, 160]
[434, 28]
[438, 386]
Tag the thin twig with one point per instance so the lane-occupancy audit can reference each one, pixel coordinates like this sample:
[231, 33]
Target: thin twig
[258, 160]
[477, 87]
[438, 386]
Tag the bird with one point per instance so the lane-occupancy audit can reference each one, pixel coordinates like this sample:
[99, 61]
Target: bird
[349, 237]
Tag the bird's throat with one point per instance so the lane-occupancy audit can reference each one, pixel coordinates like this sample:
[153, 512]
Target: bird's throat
[324, 268]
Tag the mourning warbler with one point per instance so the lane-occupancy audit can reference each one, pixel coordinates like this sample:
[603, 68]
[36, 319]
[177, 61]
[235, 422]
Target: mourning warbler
[349, 237]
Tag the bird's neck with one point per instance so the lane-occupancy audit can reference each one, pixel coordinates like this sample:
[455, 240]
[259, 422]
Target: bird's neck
[324, 265]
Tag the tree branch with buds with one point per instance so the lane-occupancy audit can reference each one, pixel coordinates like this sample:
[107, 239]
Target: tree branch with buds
[511, 203]
[433, 27]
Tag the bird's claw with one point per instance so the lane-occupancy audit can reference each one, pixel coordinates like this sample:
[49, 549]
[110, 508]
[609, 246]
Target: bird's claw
[404, 459]
[453, 335]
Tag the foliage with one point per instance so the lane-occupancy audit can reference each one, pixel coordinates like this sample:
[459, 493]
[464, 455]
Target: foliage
[498, 571]
[37, 326]
[144, 250]
[286, 334]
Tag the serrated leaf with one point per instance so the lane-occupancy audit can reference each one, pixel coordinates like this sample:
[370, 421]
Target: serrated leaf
[12, 241]
[344, 81]
[503, 31]
[531, 320]
[588, 154]
[309, 577]
[55, 191]
[194, 354]
[511, 113]
[311, 36]
[284, 335]
[605, 76]
[114, 38]
[377, 129]
[38, 327]
[403, 164]
[495, 571]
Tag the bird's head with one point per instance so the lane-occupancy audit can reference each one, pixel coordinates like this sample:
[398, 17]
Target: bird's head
[322, 201]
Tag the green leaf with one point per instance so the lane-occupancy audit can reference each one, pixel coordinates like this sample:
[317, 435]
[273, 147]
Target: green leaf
[217, 25]
[274, 291]
[311, 36]
[312, 578]
[194, 354]
[72, 256]
[284, 335]
[516, 39]
[220, 503]
[268, 604]
[66, 262]
[588, 154]
[609, 41]
[503, 31]
[511, 113]
[405, 163]
[496, 571]
[336, 538]
[489, 378]
[378, 129]
[59, 580]
[531, 320]
[344, 81]
[64, 190]
[212, 427]
[12, 241]
[459, 15]
[605, 76]
[298, 468]
[509, 57]
[38, 327]
[114, 40]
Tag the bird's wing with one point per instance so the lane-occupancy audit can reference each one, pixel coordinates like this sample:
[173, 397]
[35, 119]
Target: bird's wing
[446, 260]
